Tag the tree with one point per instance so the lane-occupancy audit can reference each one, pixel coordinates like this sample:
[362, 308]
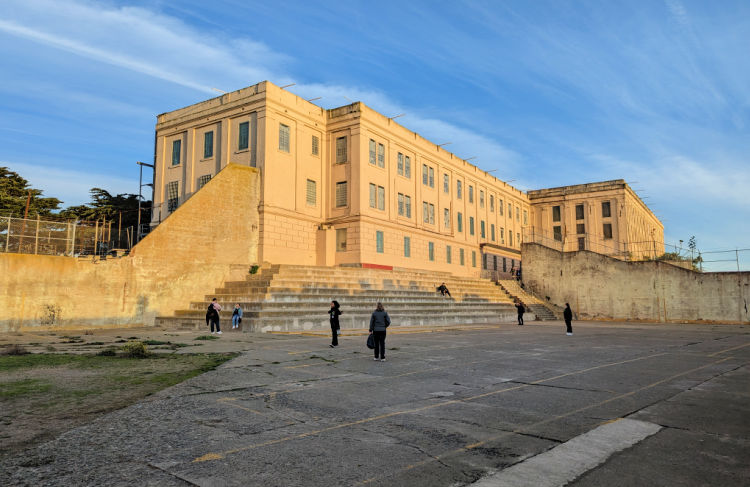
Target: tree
[105, 205]
[14, 191]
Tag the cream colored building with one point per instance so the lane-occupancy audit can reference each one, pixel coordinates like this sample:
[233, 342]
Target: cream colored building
[605, 217]
[346, 186]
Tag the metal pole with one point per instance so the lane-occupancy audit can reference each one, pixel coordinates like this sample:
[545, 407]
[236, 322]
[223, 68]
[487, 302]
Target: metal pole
[737, 256]
[7, 238]
[73, 240]
[96, 235]
[140, 196]
[36, 235]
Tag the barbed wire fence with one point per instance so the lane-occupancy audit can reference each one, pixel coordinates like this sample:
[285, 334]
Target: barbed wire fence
[64, 238]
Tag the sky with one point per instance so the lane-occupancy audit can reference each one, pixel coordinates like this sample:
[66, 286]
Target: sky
[543, 93]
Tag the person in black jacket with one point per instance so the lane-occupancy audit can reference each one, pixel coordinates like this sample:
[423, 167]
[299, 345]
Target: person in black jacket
[444, 290]
[521, 310]
[212, 316]
[379, 321]
[568, 315]
[334, 313]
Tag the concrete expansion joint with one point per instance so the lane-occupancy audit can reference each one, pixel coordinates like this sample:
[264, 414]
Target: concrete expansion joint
[559, 387]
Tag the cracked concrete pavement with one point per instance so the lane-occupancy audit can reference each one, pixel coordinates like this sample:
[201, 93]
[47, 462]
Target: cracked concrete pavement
[445, 409]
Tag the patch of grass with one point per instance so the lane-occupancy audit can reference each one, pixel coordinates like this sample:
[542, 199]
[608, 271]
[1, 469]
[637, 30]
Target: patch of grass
[135, 350]
[71, 339]
[121, 341]
[14, 349]
[107, 352]
[24, 387]
[155, 342]
[206, 337]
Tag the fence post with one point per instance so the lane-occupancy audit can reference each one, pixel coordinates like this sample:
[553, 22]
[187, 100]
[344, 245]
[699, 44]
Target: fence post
[73, 240]
[36, 235]
[7, 238]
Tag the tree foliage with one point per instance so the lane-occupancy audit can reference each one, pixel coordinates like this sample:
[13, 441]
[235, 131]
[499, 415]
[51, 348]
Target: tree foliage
[104, 205]
[14, 191]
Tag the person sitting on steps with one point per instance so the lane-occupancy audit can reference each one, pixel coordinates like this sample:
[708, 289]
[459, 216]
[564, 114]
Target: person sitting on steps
[444, 290]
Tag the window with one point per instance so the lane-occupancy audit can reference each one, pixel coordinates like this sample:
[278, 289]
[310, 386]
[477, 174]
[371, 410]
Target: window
[208, 144]
[243, 141]
[473, 258]
[407, 204]
[555, 213]
[460, 222]
[377, 197]
[510, 210]
[492, 203]
[606, 210]
[581, 243]
[448, 252]
[311, 192]
[341, 196]
[283, 137]
[492, 231]
[407, 167]
[203, 180]
[424, 174]
[407, 247]
[505, 265]
[500, 206]
[461, 256]
[176, 152]
[510, 238]
[557, 232]
[481, 198]
[580, 228]
[518, 214]
[432, 177]
[579, 212]
[400, 164]
[431, 251]
[428, 213]
[481, 229]
[446, 218]
[471, 225]
[173, 196]
[341, 150]
[372, 152]
[315, 145]
[341, 240]
[518, 238]
[379, 246]
[607, 230]
[471, 194]
[401, 204]
[458, 190]
[525, 217]
[446, 184]
[381, 155]
[502, 235]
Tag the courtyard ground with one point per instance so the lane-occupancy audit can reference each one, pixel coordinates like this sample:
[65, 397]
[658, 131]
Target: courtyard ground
[614, 404]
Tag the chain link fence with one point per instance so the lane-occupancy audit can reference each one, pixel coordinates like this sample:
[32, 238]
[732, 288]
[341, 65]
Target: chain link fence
[66, 238]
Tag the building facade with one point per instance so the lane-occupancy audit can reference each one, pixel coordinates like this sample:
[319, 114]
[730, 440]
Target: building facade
[345, 186]
[605, 217]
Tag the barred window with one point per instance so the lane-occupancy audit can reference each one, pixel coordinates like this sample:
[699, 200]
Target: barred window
[243, 141]
[461, 256]
[432, 178]
[373, 195]
[372, 152]
[492, 203]
[400, 164]
[510, 237]
[460, 222]
[471, 194]
[500, 206]
[407, 203]
[208, 144]
[448, 252]
[407, 167]
[473, 258]
[502, 236]
[606, 209]
[471, 225]
[176, 152]
[555, 213]
[432, 214]
[381, 155]
[203, 180]
[481, 198]
[579, 212]
[481, 229]
[525, 217]
[312, 195]
[425, 212]
[315, 145]
[607, 230]
[431, 250]
[424, 174]
[283, 137]
[341, 196]
[341, 240]
[580, 228]
[341, 150]
[379, 244]
[401, 204]
[518, 214]
[172, 195]
[407, 247]
[446, 183]
[381, 198]
[459, 189]
[446, 218]
[557, 232]
[510, 210]
[492, 231]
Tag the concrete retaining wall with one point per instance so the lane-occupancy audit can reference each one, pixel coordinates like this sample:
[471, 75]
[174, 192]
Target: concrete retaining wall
[211, 236]
[597, 286]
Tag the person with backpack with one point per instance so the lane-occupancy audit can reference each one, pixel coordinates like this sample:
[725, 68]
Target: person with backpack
[379, 321]
[333, 314]
[236, 316]
[568, 315]
[212, 316]
[521, 310]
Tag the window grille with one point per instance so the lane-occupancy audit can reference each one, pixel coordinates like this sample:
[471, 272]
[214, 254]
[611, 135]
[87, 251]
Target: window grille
[312, 196]
[341, 196]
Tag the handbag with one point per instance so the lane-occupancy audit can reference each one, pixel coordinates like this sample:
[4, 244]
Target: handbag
[370, 342]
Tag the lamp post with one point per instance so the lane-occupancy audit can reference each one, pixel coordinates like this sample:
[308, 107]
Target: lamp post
[139, 233]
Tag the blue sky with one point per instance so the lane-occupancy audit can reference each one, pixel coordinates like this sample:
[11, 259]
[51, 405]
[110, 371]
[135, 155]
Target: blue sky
[546, 93]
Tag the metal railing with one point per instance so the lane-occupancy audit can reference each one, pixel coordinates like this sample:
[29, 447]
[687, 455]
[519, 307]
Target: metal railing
[65, 238]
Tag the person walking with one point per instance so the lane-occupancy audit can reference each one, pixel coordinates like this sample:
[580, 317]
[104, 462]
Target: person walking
[568, 315]
[334, 313]
[236, 316]
[521, 309]
[444, 290]
[212, 315]
[379, 321]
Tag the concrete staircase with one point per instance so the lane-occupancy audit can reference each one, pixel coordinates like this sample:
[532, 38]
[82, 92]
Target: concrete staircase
[297, 298]
[539, 308]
